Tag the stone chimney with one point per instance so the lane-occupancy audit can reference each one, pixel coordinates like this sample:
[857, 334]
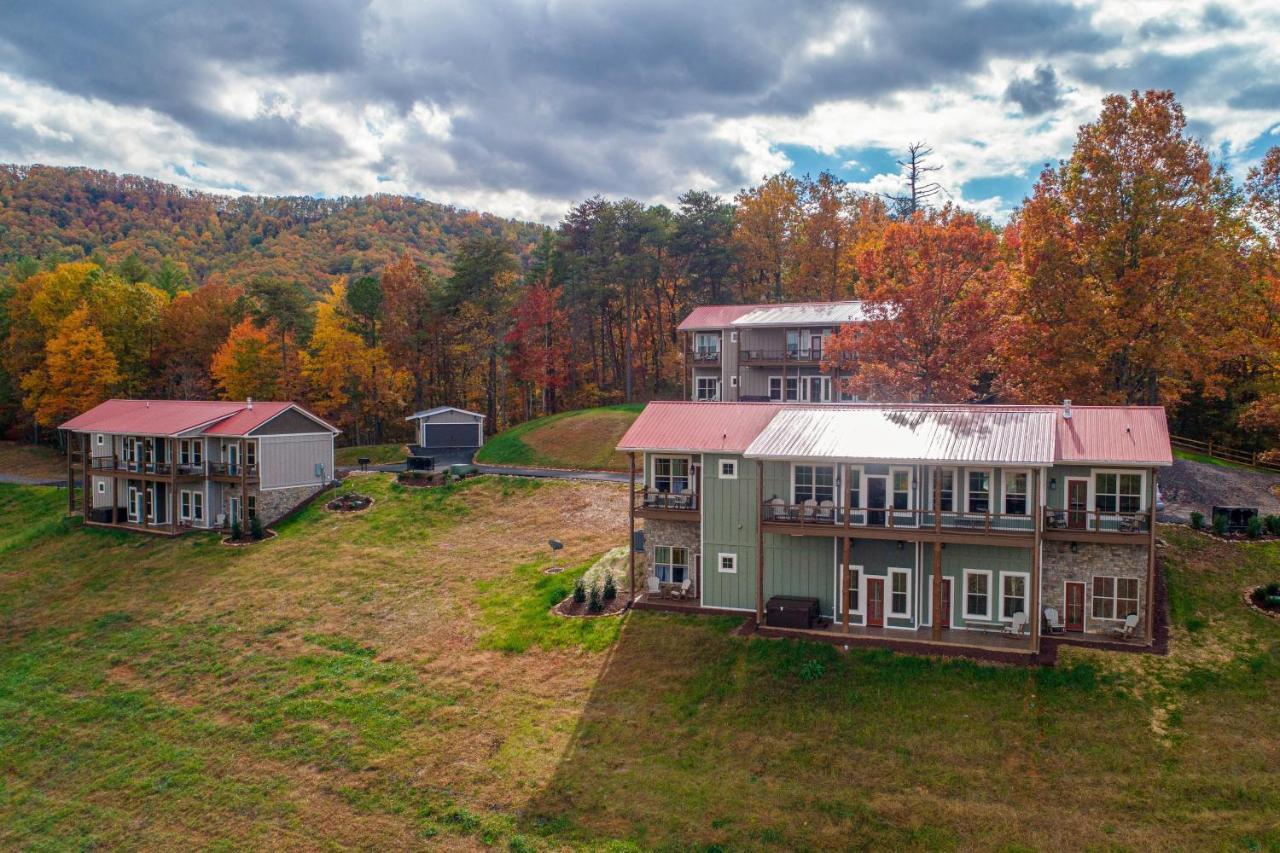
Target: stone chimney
[1066, 409]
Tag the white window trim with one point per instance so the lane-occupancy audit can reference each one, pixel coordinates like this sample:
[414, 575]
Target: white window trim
[671, 563]
[964, 595]
[733, 563]
[653, 469]
[102, 487]
[733, 337]
[699, 382]
[888, 594]
[1093, 487]
[101, 439]
[1089, 597]
[911, 493]
[862, 592]
[991, 484]
[732, 475]
[1026, 587]
[184, 505]
[197, 512]
[733, 381]
[710, 336]
[835, 480]
[1004, 489]
[926, 619]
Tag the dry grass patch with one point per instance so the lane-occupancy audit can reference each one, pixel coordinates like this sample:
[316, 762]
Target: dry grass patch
[32, 461]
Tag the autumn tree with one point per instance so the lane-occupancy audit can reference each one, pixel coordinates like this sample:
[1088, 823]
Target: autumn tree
[1128, 255]
[916, 171]
[538, 345]
[78, 372]
[481, 291]
[248, 363]
[931, 321]
[413, 329]
[192, 329]
[284, 306]
[764, 231]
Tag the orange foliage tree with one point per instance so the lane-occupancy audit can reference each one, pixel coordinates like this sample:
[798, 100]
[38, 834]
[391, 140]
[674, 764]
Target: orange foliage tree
[78, 372]
[931, 316]
[247, 364]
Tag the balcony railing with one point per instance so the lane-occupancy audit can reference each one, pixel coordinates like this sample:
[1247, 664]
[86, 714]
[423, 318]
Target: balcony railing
[1096, 521]
[706, 356]
[751, 356]
[162, 469]
[666, 501]
[826, 516]
[232, 469]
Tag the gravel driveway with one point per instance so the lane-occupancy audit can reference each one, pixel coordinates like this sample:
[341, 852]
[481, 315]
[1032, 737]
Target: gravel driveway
[1191, 486]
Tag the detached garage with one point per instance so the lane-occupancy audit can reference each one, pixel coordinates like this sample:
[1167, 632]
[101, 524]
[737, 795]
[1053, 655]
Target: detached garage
[446, 428]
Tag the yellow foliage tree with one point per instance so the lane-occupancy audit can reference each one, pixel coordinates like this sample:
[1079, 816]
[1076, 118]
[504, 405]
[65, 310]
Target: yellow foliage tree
[78, 373]
[247, 364]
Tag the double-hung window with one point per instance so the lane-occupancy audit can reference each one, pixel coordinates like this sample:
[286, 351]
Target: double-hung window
[855, 487]
[671, 563]
[855, 588]
[899, 593]
[728, 469]
[184, 507]
[977, 595]
[197, 506]
[816, 483]
[251, 453]
[670, 474]
[707, 388]
[1118, 492]
[947, 489]
[979, 491]
[1114, 598]
[901, 488]
[1015, 492]
[707, 345]
[1013, 595]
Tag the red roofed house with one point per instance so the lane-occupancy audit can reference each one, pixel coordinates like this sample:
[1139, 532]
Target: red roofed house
[769, 352]
[990, 527]
[167, 466]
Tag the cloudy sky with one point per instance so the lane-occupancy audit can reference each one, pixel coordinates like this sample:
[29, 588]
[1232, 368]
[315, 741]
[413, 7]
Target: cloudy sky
[523, 108]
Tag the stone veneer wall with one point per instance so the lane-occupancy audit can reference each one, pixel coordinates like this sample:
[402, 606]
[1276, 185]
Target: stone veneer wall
[685, 534]
[272, 504]
[1060, 565]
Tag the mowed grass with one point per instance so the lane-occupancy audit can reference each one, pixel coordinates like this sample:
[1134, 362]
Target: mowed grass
[377, 454]
[394, 679]
[1206, 459]
[583, 439]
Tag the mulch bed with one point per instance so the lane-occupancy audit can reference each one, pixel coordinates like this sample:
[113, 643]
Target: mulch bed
[1253, 600]
[248, 540]
[572, 609]
[349, 503]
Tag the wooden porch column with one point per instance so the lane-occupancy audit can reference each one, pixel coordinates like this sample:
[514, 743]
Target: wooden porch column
[1151, 561]
[631, 521]
[685, 366]
[173, 484]
[935, 617]
[1033, 594]
[244, 491]
[844, 585]
[86, 491]
[759, 543]
[71, 475]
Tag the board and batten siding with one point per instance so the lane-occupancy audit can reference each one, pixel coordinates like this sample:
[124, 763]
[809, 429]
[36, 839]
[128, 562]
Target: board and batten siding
[955, 559]
[730, 524]
[287, 461]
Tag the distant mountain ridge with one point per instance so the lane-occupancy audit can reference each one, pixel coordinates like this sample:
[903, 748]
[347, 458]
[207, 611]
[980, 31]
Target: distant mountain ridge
[50, 212]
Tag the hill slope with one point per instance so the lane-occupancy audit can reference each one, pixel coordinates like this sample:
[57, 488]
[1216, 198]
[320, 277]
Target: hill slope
[583, 439]
[71, 213]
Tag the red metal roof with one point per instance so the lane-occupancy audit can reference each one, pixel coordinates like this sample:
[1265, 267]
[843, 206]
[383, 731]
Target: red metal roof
[1106, 435]
[714, 316]
[698, 427]
[1114, 434]
[174, 417]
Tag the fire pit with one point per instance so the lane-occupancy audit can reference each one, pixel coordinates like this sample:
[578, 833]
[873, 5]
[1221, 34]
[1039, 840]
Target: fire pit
[350, 503]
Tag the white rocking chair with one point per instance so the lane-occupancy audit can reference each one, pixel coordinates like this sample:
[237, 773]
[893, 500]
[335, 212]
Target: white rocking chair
[1019, 622]
[1052, 621]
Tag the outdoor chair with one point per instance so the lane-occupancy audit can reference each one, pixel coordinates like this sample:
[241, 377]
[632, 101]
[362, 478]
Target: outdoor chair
[1019, 622]
[1052, 622]
[810, 509]
[685, 590]
[777, 509]
[1126, 631]
[655, 587]
[827, 511]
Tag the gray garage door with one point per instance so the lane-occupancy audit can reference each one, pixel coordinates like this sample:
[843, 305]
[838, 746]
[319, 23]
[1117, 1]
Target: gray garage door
[452, 435]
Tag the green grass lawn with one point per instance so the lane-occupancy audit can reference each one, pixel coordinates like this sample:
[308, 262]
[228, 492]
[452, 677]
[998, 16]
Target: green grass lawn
[583, 439]
[377, 454]
[394, 679]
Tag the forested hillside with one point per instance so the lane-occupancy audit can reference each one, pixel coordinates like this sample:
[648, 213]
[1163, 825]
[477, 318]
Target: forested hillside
[1137, 272]
[52, 213]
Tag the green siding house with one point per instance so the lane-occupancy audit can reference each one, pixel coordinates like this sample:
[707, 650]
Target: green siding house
[970, 526]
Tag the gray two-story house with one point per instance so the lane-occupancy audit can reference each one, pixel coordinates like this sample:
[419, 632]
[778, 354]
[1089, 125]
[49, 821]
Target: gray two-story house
[962, 525]
[765, 352]
[169, 466]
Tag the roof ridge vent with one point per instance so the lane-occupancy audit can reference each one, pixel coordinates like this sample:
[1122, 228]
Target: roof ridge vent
[1066, 409]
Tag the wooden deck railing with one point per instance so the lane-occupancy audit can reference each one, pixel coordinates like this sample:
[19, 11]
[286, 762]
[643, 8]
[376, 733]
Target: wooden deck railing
[706, 356]
[666, 501]
[1097, 521]
[908, 519]
[232, 469]
[750, 356]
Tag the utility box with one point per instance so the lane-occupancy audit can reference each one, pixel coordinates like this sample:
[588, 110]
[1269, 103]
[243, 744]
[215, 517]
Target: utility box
[785, 611]
[1237, 517]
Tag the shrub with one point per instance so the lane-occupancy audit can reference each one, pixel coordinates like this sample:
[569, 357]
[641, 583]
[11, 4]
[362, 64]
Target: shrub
[1273, 588]
[255, 528]
[579, 592]
[595, 605]
[610, 588]
[1254, 528]
[1220, 524]
[811, 670]
[1197, 520]
[236, 532]
[1272, 523]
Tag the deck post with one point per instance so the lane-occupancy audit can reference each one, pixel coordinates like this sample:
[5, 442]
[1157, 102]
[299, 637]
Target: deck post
[71, 476]
[86, 491]
[935, 617]
[631, 521]
[1151, 561]
[173, 485]
[844, 585]
[244, 491]
[760, 540]
[1033, 594]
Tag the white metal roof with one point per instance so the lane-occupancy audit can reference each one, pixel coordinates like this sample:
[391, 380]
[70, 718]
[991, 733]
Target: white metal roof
[426, 413]
[910, 434]
[806, 314]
